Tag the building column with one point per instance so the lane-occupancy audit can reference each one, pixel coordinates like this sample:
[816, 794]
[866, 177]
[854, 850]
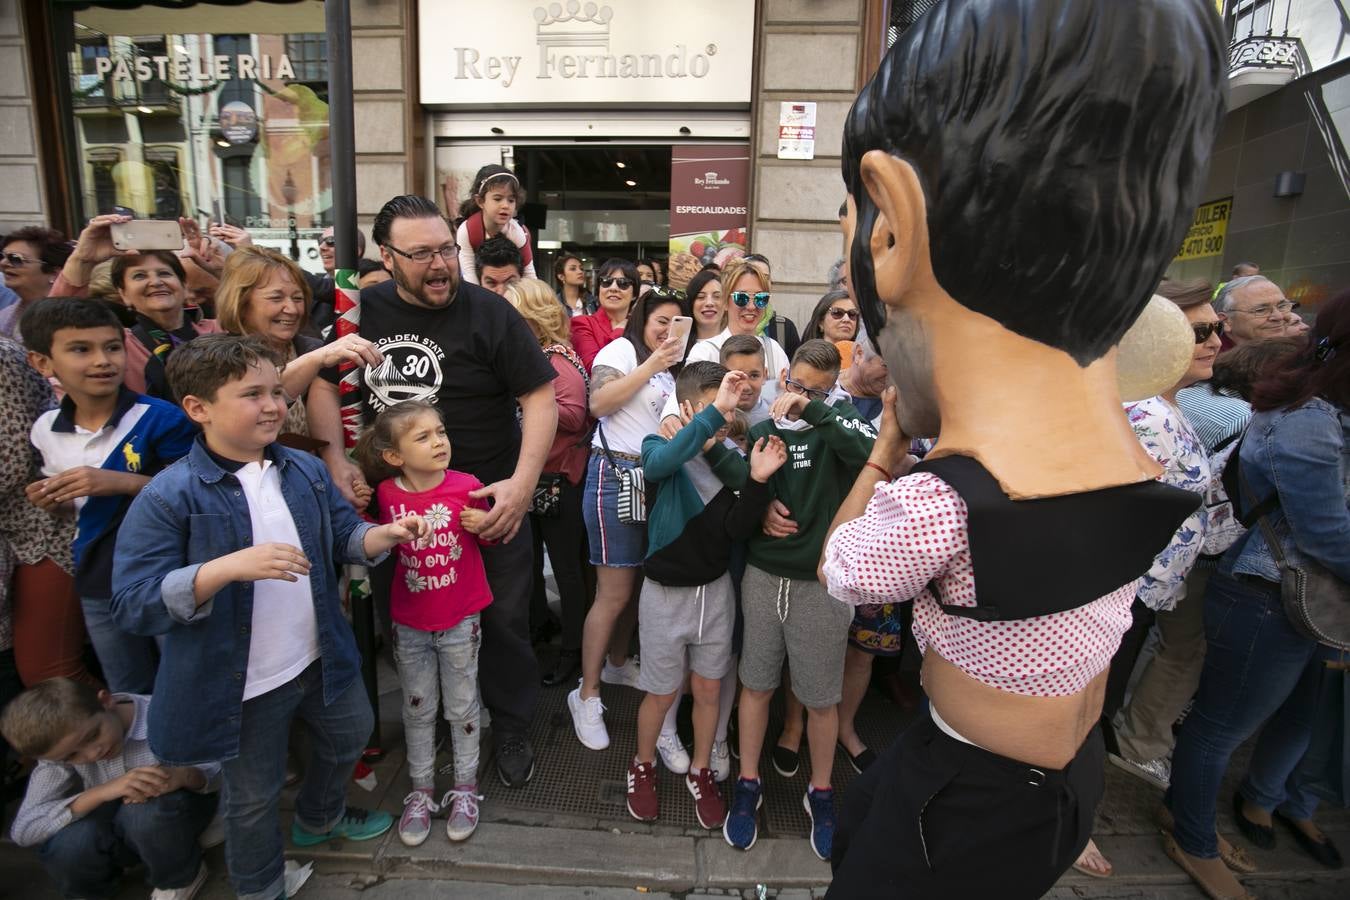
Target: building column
[23, 201]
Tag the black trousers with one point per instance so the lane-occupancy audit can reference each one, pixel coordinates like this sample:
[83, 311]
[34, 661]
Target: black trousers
[565, 537]
[1122, 667]
[936, 818]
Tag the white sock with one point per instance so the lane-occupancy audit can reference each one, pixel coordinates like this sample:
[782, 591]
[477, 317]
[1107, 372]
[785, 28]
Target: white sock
[668, 726]
[726, 702]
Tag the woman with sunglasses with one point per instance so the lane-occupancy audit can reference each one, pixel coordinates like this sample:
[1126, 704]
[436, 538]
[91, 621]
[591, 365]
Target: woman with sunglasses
[1170, 677]
[836, 319]
[1294, 462]
[630, 382]
[618, 285]
[748, 292]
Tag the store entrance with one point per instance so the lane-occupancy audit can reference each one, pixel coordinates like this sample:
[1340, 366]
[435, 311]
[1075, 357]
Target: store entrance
[597, 202]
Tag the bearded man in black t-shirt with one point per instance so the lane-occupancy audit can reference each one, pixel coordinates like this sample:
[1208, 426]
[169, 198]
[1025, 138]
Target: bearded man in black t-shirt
[469, 352]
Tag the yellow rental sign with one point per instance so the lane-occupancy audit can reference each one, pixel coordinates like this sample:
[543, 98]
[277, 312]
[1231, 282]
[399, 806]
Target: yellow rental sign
[1207, 231]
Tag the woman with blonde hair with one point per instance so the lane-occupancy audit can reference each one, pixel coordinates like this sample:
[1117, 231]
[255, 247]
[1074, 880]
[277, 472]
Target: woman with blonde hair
[747, 292]
[555, 511]
[266, 294]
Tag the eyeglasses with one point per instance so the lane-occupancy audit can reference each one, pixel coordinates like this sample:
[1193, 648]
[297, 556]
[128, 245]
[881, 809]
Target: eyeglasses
[1205, 329]
[666, 293]
[422, 257]
[331, 241]
[1266, 310]
[742, 299]
[16, 259]
[838, 312]
[797, 387]
[617, 281]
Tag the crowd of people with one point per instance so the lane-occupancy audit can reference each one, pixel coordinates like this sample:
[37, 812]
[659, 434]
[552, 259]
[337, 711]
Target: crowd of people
[707, 486]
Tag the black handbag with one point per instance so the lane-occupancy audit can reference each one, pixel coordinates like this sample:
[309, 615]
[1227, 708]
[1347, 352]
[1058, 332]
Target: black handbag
[547, 497]
[1315, 601]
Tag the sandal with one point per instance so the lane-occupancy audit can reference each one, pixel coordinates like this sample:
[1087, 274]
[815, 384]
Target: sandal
[1179, 857]
[1233, 856]
[1090, 856]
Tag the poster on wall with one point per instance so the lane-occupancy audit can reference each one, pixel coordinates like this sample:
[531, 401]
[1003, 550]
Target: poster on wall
[709, 207]
[797, 130]
[1208, 229]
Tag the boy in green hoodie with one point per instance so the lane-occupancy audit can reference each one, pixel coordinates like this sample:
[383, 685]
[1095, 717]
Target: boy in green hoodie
[686, 611]
[788, 614]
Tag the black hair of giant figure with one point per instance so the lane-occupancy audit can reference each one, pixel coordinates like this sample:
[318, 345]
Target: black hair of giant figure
[1061, 146]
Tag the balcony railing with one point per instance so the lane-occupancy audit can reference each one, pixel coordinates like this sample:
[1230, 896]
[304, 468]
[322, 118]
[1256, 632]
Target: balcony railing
[1265, 52]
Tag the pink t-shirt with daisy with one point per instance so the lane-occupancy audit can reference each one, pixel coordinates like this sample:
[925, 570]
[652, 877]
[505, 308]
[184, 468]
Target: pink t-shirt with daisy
[438, 581]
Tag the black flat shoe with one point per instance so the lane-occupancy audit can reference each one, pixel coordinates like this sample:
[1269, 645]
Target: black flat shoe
[1324, 851]
[1262, 836]
[862, 760]
[565, 671]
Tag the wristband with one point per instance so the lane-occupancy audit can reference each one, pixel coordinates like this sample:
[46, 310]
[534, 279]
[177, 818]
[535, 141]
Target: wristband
[886, 476]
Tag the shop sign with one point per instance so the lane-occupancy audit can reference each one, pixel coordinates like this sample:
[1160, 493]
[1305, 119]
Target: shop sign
[709, 207]
[181, 68]
[1207, 232]
[620, 51]
[797, 130]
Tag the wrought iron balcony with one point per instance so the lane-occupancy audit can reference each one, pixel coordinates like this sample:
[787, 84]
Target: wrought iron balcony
[1265, 52]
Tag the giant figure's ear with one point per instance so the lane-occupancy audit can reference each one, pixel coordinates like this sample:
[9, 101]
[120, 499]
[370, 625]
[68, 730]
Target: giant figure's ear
[899, 243]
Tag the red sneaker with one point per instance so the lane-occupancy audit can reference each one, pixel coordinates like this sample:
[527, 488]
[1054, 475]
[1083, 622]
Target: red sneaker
[643, 804]
[708, 803]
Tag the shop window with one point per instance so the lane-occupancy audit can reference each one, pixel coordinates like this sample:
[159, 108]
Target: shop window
[165, 171]
[241, 199]
[105, 187]
[308, 54]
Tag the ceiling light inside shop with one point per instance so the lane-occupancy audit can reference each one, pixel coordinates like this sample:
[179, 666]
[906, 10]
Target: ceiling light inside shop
[145, 109]
[621, 165]
[221, 143]
[631, 183]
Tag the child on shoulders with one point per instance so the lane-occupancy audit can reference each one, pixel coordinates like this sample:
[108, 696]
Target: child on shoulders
[438, 591]
[493, 201]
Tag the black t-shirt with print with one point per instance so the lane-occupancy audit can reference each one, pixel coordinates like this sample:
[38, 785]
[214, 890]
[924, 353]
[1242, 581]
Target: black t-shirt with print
[472, 359]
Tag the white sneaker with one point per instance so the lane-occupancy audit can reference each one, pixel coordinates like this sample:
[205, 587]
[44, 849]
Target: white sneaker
[182, 893]
[626, 674]
[214, 833]
[588, 720]
[721, 761]
[673, 755]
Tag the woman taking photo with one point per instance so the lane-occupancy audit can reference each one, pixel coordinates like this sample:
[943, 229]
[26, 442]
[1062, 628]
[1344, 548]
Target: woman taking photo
[571, 278]
[264, 293]
[630, 381]
[557, 523]
[1294, 463]
[618, 286]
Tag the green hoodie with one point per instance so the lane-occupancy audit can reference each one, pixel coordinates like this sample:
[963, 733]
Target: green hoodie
[823, 463]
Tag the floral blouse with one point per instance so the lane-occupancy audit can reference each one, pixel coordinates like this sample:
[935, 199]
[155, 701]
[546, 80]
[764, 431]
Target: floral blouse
[1171, 440]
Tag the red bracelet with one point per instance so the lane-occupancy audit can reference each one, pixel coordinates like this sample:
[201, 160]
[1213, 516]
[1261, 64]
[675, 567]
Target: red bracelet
[884, 474]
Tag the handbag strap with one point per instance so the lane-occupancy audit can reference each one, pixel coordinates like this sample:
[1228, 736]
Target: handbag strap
[600, 429]
[1263, 511]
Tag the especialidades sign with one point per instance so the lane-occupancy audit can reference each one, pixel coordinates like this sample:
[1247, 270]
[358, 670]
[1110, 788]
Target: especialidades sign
[580, 52]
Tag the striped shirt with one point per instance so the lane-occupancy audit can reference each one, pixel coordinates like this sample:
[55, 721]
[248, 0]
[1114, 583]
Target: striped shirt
[1215, 417]
[54, 785]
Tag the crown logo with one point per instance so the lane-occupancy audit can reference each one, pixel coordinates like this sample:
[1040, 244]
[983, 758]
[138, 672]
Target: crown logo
[572, 25]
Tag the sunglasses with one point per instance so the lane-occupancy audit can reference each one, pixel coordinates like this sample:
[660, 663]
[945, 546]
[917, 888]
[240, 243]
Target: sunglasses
[17, 260]
[621, 283]
[797, 387]
[1202, 332]
[742, 299]
[666, 293]
[328, 242]
[838, 312]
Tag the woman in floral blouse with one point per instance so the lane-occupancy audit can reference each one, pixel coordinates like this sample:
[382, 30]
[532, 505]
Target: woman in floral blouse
[1171, 675]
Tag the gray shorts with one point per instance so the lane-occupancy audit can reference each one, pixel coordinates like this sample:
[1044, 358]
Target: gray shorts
[679, 623]
[794, 619]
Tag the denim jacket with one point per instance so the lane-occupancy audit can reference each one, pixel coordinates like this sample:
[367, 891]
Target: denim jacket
[193, 512]
[1305, 453]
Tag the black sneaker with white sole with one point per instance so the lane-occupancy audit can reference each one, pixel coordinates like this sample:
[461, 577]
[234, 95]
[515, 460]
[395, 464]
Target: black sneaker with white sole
[515, 760]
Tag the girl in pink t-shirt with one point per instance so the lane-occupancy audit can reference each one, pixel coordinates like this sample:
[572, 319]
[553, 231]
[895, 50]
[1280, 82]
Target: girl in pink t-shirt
[438, 591]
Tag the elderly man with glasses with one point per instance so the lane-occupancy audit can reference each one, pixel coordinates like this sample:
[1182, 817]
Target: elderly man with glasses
[1255, 308]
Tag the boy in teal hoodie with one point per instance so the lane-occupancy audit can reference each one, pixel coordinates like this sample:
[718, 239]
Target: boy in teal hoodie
[686, 611]
[788, 614]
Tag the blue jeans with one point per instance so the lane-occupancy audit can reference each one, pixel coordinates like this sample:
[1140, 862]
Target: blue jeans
[87, 857]
[129, 661]
[1257, 668]
[437, 667]
[253, 780]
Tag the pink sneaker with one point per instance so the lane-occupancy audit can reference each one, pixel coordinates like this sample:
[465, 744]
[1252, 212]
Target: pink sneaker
[415, 824]
[462, 819]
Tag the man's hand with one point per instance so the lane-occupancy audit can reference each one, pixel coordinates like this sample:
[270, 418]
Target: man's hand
[265, 562]
[788, 405]
[510, 500]
[138, 785]
[350, 348]
[778, 521]
[729, 394]
[82, 481]
[347, 478]
[766, 457]
[233, 235]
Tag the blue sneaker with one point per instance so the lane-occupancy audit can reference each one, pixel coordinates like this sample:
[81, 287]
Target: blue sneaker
[819, 806]
[741, 828]
[356, 824]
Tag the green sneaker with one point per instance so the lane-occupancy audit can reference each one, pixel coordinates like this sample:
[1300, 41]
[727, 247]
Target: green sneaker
[356, 824]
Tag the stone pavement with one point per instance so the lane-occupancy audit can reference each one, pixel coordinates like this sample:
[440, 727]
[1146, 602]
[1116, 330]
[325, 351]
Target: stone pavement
[567, 834]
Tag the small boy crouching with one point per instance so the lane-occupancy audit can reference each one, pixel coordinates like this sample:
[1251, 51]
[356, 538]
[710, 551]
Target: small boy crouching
[231, 554]
[100, 801]
[686, 611]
